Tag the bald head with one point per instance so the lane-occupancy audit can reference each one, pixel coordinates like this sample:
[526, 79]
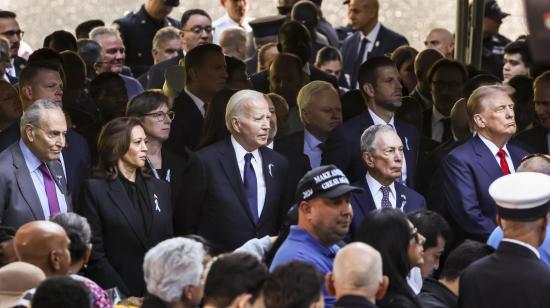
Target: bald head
[538, 163]
[44, 244]
[441, 40]
[357, 268]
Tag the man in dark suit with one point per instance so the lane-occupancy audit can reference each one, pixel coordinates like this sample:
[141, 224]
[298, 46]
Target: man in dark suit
[196, 29]
[206, 74]
[383, 154]
[235, 189]
[422, 63]
[138, 29]
[537, 139]
[9, 28]
[371, 39]
[30, 188]
[10, 109]
[513, 276]
[294, 39]
[381, 88]
[470, 168]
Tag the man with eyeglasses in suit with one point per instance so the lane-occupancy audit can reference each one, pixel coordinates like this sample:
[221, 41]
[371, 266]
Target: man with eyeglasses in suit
[9, 28]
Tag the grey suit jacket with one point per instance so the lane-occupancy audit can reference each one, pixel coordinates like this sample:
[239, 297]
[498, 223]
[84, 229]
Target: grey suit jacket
[19, 202]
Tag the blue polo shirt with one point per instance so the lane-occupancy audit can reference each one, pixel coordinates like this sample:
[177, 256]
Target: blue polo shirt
[302, 246]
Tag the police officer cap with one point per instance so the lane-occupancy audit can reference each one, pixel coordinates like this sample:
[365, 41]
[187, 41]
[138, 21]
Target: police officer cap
[324, 181]
[267, 26]
[521, 196]
[493, 11]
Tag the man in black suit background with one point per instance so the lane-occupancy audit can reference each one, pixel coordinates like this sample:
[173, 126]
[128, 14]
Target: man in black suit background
[10, 29]
[370, 39]
[206, 74]
[235, 188]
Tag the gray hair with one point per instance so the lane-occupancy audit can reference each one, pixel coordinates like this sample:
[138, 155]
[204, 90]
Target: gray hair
[34, 112]
[233, 41]
[309, 90]
[172, 265]
[79, 232]
[237, 102]
[99, 31]
[165, 34]
[369, 135]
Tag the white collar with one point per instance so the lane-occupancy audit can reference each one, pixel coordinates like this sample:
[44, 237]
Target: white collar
[373, 34]
[198, 102]
[493, 147]
[533, 249]
[378, 120]
[241, 152]
[306, 69]
[436, 115]
[374, 185]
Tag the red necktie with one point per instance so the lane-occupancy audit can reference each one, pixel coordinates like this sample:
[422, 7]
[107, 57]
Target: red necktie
[503, 163]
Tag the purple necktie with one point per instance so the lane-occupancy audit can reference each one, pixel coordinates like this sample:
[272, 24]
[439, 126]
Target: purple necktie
[49, 183]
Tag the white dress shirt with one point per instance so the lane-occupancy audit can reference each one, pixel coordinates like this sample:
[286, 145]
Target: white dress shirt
[437, 126]
[256, 162]
[198, 102]
[494, 149]
[226, 22]
[371, 37]
[312, 149]
[33, 164]
[378, 120]
[377, 194]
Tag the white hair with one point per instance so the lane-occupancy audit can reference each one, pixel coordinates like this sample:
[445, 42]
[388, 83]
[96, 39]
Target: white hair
[172, 265]
[237, 102]
[34, 112]
[369, 135]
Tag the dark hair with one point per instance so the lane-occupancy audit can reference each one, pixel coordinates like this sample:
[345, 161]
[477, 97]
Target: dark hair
[84, 28]
[7, 14]
[353, 104]
[520, 47]
[75, 69]
[294, 37]
[542, 78]
[368, 71]
[462, 256]
[402, 54]
[307, 13]
[214, 128]
[430, 224]
[79, 232]
[232, 275]
[45, 55]
[388, 231]
[476, 82]
[29, 72]
[98, 84]
[291, 57]
[263, 50]
[447, 63]
[90, 52]
[524, 108]
[146, 102]
[295, 284]
[61, 292]
[187, 14]
[113, 142]
[233, 65]
[327, 54]
[60, 41]
[194, 59]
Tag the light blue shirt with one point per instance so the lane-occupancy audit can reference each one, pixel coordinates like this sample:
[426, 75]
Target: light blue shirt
[312, 150]
[33, 163]
[544, 250]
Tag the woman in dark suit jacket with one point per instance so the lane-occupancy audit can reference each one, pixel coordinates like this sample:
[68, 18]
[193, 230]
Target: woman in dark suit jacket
[128, 210]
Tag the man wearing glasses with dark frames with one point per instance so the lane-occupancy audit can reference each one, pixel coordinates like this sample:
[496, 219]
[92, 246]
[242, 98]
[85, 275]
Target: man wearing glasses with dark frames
[9, 28]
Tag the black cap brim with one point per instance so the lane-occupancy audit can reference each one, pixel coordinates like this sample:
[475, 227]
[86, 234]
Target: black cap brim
[338, 191]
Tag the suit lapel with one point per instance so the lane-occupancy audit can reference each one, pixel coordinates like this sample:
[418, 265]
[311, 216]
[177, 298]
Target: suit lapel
[400, 198]
[228, 162]
[119, 196]
[486, 159]
[269, 173]
[25, 183]
[376, 50]
[366, 202]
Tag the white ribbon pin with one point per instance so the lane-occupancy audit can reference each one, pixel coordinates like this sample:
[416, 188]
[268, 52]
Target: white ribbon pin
[269, 168]
[157, 207]
[404, 202]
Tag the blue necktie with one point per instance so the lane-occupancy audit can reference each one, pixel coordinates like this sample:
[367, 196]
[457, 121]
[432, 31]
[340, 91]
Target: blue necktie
[251, 186]
[359, 61]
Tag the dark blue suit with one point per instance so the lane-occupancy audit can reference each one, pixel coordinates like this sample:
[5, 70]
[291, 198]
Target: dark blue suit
[343, 147]
[386, 42]
[362, 203]
[214, 203]
[468, 170]
[186, 128]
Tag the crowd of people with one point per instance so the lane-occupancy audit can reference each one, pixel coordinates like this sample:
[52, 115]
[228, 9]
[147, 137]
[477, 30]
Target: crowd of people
[275, 161]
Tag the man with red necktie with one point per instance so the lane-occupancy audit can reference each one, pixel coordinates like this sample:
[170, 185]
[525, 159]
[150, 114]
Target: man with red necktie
[469, 169]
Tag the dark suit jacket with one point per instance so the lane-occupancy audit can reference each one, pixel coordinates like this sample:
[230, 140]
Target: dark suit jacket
[19, 202]
[533, 140]
[511, 277]
[292, 147]
[155, 74]
[353, 301]
[468, 170]
[19, 63]
[362, 203]
[343, 147]
[260, 80]
[252, 64]
[386, 42]
[186, 128]
[118, 236]
[214, 204]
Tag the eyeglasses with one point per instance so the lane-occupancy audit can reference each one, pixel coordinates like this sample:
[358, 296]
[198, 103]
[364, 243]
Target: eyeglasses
[19, 33]
[416, 236]
[160, 116]
[529, 156]
[199, 29]
[54, 134]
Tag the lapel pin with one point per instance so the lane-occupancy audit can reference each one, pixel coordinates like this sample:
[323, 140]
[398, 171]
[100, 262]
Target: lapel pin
[404, 202]
[157, 207]
[376, 44]
[407, 144]
[269, 168]
[168, 175]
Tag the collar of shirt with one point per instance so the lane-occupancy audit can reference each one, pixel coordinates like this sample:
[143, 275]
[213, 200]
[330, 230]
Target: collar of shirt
[378, 120]
[197, 101]
[225, 22]
[306, 69]
[373, 34]
[240, 152]
[302, 235]
[374, 186]
[436, 115]
[270, 145]
[493, 147]
[30, 159]
[533, 249]
[311, 141]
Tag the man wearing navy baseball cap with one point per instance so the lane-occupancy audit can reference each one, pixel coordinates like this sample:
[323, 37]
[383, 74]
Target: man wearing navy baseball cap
[324, 218]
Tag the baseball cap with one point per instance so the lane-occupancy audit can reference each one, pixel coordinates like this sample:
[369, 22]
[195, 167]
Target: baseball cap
[324, 181]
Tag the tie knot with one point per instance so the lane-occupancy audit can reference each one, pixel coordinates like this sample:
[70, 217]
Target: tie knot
[45, 171]
[321, 146]
[501, 153]
[385, 189]
[247, 157]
